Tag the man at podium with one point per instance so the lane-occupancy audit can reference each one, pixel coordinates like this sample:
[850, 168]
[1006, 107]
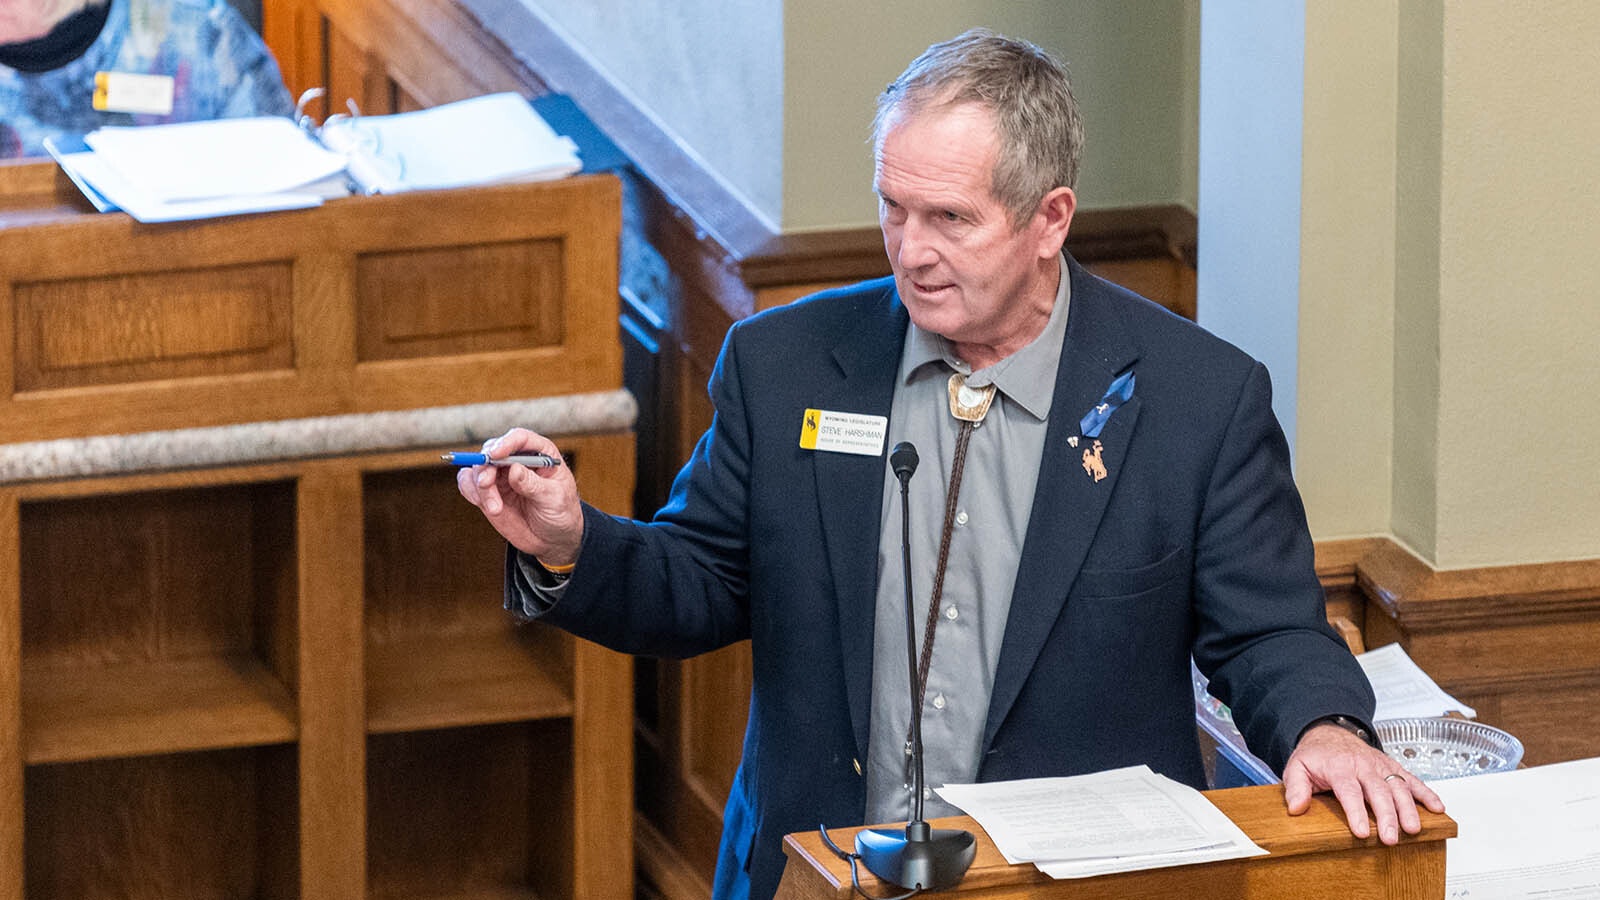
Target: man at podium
[1104, 492]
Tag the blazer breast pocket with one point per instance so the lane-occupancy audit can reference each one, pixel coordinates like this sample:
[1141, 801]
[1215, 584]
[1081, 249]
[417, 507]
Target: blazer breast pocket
[1133, 581]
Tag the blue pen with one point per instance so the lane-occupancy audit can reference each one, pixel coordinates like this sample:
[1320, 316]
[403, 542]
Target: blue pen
[533, 461]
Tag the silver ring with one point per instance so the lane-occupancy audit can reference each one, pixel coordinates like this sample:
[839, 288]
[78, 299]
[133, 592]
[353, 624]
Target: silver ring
[1393, 775]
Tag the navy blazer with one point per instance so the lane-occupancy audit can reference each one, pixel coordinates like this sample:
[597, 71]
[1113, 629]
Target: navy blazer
[1195, 542]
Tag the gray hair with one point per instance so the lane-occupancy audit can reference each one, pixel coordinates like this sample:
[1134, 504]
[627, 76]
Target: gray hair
[1030, 94]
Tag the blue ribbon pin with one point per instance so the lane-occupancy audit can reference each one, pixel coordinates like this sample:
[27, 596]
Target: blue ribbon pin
[1120, 392]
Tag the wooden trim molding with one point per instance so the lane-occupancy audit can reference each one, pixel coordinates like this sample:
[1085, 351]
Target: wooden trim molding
[1426, 599]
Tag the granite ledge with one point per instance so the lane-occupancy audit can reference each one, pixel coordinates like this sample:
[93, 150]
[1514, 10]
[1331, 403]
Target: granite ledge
[289, 439]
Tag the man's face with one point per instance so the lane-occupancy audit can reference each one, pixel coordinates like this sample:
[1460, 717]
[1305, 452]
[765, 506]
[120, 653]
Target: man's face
[962, 269]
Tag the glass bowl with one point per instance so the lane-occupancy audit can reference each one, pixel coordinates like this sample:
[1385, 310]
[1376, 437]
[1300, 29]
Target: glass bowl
[1439, 748]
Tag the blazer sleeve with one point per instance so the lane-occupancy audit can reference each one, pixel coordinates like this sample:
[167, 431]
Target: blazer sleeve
[679, 584]
[1261, 632]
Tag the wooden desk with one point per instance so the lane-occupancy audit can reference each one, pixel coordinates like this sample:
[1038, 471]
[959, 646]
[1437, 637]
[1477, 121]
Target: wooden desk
[1313, 857]
[288, 676]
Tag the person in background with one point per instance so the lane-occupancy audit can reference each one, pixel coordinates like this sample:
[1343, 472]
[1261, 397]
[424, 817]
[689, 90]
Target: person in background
[1116, 493]
[68, 67]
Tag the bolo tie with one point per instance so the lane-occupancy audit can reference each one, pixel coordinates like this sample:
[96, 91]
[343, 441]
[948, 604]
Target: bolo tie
[968, 405]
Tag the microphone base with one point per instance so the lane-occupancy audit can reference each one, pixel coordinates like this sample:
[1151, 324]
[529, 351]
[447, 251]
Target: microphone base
[929, 859]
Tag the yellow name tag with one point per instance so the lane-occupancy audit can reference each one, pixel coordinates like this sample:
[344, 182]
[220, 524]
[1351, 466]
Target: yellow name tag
[839, 432]
[126, 92]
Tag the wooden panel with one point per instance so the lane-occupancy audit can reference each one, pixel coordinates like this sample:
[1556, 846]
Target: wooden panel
[434, 575]
[1336, 569]
[31, 193]
[164, 633]
[75, 713]
[716, 703]
[1164, 279]
[11, 783]
[465, 680]
[281, 29]
[112, 330]
[602, 774]
[1543, 713]
[392, 56]
[456, 812]
[187, 825]
[440, 650]
[456, 300]
[602, 761]
[353, 74]
[332, 749]
[309, 260]
[167, 577]
[766, 298]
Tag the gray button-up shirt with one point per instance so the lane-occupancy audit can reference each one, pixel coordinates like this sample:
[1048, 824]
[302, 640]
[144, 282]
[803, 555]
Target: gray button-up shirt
[996, 497]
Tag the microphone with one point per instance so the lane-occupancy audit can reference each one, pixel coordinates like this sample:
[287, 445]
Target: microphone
[923, 858]
[903, 460]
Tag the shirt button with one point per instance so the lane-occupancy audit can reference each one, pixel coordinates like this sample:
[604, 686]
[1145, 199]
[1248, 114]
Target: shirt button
[938, 701]
[950, 612]
[961, 517]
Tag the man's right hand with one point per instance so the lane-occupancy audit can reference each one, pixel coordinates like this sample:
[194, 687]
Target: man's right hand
[536, 510]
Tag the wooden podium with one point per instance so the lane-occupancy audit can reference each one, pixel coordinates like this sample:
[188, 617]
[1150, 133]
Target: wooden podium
[1312, 856]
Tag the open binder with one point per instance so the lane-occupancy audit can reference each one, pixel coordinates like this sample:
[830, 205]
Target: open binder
[165, 173]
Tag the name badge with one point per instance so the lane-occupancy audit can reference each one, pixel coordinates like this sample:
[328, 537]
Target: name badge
[126, 92]
[841, 432]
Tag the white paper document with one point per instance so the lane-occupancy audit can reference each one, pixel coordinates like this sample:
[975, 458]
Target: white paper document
[193, 170]
[70, 154]
[197, 170]
[1529, 834]
[107, 189]
[483, 140]
[216, 158]
[1116, 821]
[1403, 689]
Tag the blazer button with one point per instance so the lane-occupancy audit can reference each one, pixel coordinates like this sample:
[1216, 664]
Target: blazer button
[857, 764]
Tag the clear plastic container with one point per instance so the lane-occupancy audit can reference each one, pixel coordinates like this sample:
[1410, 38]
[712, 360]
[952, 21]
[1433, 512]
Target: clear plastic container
[1438, 748]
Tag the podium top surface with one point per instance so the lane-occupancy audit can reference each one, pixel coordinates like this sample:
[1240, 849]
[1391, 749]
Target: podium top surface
[1319, 843]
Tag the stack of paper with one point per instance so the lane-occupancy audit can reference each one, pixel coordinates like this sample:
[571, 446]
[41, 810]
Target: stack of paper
[488, 139]
[1529, 834]
[191, 170]
[1403, 689]
[1123, 820]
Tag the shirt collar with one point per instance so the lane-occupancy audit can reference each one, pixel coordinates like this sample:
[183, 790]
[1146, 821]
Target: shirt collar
[1027, 377]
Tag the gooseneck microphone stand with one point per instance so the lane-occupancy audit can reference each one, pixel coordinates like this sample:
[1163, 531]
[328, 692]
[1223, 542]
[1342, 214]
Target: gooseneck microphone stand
[921, 858]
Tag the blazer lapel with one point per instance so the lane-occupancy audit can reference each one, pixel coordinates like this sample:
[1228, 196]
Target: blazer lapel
[850, 493]
[1068, 499]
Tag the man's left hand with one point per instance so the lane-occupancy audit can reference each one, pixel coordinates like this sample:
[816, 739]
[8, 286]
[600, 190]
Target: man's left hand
[1330, 758]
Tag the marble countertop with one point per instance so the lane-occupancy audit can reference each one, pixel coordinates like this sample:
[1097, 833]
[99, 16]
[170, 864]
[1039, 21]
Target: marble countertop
[465, 426]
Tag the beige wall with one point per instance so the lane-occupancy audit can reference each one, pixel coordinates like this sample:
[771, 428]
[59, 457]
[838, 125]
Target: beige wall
[1452, 171]
[777, 95]
[1345, 436]
[1519, 264]
[1134, 70]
